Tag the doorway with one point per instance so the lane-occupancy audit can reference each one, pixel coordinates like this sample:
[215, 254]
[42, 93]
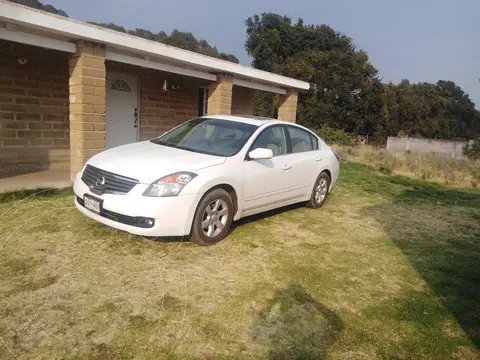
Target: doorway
[121, 115]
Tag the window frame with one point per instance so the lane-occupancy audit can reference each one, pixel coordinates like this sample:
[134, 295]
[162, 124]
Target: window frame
[313, 139]
[125, 89]
[202, 103]
[287, 141]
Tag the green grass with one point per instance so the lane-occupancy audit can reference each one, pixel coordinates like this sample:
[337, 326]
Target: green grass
[388, 269]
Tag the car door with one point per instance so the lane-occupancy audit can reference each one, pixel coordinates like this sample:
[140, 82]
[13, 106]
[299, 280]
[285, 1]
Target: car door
[306, 158]
[268, 181]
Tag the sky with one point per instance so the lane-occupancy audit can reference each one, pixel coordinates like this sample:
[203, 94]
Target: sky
[420, 40]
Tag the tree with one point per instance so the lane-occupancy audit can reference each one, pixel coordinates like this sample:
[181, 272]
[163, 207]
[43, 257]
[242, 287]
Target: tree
[38, 5]
[441, 110]
[345, 91]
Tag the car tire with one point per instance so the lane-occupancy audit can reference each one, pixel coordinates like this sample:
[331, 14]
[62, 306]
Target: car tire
[213, 218]
[320, 191]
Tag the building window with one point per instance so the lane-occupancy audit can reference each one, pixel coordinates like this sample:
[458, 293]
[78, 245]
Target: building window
[202, 101]
[120, 85]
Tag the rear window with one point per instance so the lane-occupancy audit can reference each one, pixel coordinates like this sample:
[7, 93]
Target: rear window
[302, 140]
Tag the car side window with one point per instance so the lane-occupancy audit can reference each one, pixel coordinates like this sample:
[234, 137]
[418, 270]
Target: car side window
[272, 138]
[301, 140]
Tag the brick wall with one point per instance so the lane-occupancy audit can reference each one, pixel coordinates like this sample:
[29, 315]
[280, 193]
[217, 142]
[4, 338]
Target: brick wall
[242, 101]
[34, 124]
[162, 110]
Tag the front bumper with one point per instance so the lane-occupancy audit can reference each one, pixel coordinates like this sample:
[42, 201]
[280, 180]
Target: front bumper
[173, 216]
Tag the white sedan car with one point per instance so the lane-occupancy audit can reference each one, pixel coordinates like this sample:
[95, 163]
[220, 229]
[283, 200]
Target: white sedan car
[197, 178]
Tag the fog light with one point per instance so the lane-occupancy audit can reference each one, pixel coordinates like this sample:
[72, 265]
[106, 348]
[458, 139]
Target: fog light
[146, 223]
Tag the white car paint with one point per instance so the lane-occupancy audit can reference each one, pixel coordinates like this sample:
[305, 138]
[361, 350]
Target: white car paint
[260, 185]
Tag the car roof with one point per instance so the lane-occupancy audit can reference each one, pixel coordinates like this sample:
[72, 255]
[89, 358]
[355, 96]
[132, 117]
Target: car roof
[247, 119]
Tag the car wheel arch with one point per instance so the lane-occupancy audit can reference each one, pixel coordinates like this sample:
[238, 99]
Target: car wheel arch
[328, 172]
[230, 190]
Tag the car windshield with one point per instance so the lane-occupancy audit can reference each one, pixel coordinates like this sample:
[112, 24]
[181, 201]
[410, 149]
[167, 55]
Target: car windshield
[208, 136]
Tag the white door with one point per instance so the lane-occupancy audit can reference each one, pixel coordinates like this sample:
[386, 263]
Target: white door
[121, 115]
[268, 181]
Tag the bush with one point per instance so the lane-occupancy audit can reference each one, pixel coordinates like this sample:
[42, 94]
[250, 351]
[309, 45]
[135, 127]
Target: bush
[475, 175]
[472, 150]
[334, 136]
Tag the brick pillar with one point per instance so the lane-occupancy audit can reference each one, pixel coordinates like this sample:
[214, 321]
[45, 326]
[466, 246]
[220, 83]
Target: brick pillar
[87, 104]
[287, 106]
[220, 95]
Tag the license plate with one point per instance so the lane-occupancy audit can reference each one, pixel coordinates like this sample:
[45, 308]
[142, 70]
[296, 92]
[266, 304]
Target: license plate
[92, 204]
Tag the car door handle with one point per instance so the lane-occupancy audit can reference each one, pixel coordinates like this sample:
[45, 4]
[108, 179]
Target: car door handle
[318, 158]
[287, 167]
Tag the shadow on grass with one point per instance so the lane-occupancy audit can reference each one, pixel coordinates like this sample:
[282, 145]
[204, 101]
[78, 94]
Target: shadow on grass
[294, 325]
[266, 215]
[421, 191]
[167, 239]
[235, 225]
[446, 252]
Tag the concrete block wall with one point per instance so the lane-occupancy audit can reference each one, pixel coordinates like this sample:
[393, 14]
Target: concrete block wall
[52, 107]
[162, 110]
[87, 104]
[242, 101]
[446, 148]
[34, 97]
[220, 95]
[287, 106]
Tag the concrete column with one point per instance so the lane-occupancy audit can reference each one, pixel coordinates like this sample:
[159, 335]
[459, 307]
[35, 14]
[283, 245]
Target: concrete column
[287, 106]
[220, 95]
[87, 104]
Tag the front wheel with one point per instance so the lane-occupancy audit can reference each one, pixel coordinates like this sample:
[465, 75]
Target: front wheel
[213, 218]
[320, 191]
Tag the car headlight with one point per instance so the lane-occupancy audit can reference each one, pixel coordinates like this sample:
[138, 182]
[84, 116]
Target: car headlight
[169, 185]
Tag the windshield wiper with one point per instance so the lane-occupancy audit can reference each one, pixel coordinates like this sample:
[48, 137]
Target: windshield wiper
[159, 142]
[155, 141]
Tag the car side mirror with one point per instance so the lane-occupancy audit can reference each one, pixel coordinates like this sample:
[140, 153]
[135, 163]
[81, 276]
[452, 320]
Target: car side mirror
[260, 153]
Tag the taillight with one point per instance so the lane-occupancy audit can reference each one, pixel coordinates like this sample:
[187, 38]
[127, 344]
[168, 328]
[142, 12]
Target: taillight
[337, 155]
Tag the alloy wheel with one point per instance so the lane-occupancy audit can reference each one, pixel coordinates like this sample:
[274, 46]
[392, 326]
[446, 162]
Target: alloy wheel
[215, 217]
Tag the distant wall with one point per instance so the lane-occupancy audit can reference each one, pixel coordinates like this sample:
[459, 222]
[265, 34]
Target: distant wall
[448, 148]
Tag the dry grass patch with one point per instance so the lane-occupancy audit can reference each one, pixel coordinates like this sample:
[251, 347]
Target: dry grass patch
[429, 167]
[387, 269]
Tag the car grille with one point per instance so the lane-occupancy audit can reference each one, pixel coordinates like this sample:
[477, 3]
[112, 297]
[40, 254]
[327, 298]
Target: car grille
[100, 181]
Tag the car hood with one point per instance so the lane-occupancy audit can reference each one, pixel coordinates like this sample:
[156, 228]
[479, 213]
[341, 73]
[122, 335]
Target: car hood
[147, 162]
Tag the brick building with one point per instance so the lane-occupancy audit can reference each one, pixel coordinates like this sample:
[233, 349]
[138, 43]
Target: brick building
[69, 90]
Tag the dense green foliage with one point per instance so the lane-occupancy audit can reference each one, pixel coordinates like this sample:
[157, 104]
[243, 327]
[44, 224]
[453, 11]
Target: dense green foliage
[346, 91]
[183, 40]
[334, 136]
[472, 150]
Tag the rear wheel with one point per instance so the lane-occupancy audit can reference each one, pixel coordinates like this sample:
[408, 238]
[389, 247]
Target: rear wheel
[320, 191]
[213, 218]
